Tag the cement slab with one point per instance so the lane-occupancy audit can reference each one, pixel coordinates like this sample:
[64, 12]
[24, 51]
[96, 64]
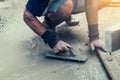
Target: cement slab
[112, 38]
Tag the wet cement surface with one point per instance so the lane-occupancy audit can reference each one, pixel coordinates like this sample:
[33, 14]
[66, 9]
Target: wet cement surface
[22, 51]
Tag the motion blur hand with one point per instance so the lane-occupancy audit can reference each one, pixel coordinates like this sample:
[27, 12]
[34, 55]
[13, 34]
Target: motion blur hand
[96, 43]
[61, 46]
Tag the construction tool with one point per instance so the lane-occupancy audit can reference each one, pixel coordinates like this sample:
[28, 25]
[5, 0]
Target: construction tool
[70, 55]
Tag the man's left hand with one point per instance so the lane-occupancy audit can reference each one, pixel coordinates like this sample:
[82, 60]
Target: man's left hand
[96, 43]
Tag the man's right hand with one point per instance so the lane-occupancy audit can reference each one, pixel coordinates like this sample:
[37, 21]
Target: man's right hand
[60, 46]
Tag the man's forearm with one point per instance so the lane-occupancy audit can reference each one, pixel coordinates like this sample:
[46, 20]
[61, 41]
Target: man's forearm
[91, 11]
[92, 19]
[48, 36]
[34, 23]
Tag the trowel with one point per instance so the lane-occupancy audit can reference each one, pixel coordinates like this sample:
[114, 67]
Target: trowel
[70, 55]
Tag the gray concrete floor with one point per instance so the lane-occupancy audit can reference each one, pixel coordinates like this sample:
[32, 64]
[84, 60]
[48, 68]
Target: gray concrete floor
[22, 51]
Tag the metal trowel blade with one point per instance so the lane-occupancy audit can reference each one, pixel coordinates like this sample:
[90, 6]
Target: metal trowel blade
[76, 58]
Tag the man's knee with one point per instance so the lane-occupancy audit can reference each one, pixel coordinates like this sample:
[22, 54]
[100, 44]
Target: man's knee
[65, 10]
[62, 13]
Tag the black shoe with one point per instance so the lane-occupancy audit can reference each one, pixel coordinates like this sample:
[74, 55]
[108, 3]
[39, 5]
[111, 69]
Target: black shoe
[72, 21]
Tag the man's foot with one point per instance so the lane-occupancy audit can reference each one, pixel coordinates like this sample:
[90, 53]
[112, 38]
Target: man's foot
[72, 21]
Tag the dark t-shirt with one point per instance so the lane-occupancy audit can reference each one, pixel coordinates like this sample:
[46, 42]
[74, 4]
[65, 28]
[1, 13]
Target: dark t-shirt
[37, 7]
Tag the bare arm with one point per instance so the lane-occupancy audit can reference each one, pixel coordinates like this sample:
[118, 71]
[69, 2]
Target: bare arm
[91, 11]
[34, 23]
[38, 28]
[92, 19]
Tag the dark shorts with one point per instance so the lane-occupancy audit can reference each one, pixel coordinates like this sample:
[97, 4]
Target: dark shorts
[37, 7]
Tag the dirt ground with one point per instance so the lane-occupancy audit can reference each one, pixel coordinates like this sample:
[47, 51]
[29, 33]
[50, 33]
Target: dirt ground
[22, 51]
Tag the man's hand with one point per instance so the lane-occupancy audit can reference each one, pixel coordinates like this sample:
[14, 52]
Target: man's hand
[96, 43]
[60, 46]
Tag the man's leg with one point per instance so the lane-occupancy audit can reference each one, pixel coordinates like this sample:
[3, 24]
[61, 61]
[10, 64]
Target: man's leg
[58, 11]
[54, 7]
[92, 19]
[71, 21]
[77, 4]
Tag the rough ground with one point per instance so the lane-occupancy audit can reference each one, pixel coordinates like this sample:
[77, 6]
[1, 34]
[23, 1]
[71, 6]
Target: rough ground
[22, 51]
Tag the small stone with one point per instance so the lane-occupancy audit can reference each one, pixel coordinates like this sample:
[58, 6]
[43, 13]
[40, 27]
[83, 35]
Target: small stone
[109, 59]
